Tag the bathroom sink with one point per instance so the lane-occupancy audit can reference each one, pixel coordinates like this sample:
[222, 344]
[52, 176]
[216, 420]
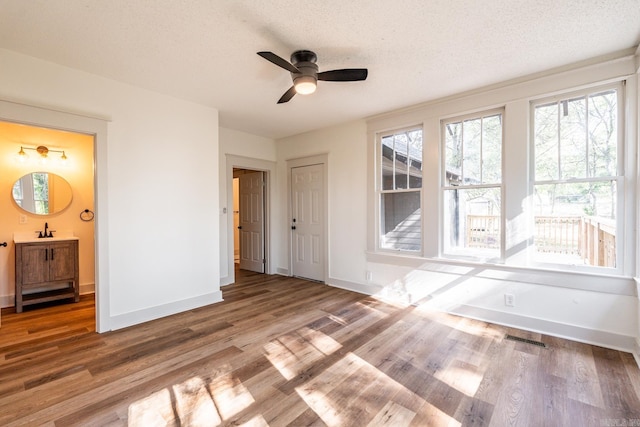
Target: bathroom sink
[32, 237]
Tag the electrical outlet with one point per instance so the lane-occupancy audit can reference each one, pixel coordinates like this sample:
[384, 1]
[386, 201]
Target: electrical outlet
[509, 300]
[23, 219]
[369, 276]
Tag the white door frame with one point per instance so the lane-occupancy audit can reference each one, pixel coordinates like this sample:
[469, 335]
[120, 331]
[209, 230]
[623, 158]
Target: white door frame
[320, 159]
[269, 167]
[44, 117]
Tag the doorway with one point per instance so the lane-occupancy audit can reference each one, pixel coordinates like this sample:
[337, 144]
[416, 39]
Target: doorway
[227, 258]
[308, 218]
[249, 219]
[96, 128]
[49, 174]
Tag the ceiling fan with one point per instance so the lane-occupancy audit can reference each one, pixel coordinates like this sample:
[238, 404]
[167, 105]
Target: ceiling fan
[305, 75]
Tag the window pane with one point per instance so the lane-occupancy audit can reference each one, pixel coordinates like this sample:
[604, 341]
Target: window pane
[492, 150]
[471, 132]
[400, 221]
[575, 223]
[415, 158]
[573, 139]
[603, 136]
[472, 221]
[453, 154]
[401, 161]
[546, 142]
[387, 163]
[17, 190]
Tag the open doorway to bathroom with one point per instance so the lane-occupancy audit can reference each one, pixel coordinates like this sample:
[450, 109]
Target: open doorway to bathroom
[47, 182]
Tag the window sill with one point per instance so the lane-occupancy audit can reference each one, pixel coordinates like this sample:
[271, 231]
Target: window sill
[587, 281]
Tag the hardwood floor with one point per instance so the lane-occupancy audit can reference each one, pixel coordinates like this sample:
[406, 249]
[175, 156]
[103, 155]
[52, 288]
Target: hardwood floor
[283, 351]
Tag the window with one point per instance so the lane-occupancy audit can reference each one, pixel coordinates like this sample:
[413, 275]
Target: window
[41, 192]
[17, 192]
[576, 178]
[399, 187]
[472, 185]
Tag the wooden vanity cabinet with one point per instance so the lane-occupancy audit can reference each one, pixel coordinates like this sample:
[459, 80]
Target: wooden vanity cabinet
[46, 271]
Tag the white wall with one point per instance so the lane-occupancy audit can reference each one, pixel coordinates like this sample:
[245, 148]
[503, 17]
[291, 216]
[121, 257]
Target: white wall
[160, 249]
[347, 197]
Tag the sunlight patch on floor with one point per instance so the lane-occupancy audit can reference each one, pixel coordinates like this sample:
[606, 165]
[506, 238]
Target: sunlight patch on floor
[257, 421]
[461, 376]
[291, 352]
[392, 414]
[352, 388]
[230, 396]
[156, 409]
[194, 402]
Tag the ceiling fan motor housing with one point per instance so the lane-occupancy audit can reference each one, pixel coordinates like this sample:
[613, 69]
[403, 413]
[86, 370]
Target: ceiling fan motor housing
[305, 61]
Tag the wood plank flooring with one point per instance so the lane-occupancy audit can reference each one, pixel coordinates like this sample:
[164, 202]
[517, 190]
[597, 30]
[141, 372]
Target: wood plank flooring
[283, 351]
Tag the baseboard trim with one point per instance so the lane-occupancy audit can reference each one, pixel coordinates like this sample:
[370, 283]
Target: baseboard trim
[7, 301]
[87, 288]
[152, 313]
[282, 271]
[571, 332]
[224, 281]
[636, 353]
[353, 286]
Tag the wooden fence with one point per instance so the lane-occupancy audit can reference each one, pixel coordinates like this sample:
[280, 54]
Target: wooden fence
[592, 239]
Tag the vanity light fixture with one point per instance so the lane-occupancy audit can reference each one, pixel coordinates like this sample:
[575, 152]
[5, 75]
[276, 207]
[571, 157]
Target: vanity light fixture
[42, 151]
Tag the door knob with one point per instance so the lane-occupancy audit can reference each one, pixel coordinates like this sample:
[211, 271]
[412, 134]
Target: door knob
[293, 227]
[239, 227]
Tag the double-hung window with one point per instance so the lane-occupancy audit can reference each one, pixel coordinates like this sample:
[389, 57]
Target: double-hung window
[472, 186]
[399, 187]
[576, 178]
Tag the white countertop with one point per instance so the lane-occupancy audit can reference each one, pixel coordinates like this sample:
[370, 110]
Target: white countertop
[32, 237]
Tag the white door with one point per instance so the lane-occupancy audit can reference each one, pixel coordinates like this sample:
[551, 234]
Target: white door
[307, 221]
[252, 221]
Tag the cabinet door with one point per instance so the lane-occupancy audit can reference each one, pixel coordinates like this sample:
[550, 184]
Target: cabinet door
[62, 260]
[35, 268]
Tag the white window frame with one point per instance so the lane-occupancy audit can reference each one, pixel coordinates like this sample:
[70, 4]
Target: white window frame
[443, 187]
[379, 192]
[619, 178]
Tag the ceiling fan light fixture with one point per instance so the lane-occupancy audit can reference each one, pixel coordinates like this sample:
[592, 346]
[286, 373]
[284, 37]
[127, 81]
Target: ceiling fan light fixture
[305, 85]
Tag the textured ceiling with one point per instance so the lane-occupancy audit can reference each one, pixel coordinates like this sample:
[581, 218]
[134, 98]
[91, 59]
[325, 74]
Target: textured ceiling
[415, 50]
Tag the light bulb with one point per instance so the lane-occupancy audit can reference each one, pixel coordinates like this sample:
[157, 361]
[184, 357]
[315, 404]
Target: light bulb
[22, 156]
[305, 85]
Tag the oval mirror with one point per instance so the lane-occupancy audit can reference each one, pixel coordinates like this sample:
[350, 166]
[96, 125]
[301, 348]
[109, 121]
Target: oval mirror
[42, 193]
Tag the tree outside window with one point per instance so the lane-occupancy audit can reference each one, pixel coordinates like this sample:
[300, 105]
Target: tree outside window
[472, 185]
[575, 192]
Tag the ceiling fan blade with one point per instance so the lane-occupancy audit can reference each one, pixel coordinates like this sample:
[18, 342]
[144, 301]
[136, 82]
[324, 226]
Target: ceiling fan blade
[282, 63]
[346, 75]
[287, 95]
